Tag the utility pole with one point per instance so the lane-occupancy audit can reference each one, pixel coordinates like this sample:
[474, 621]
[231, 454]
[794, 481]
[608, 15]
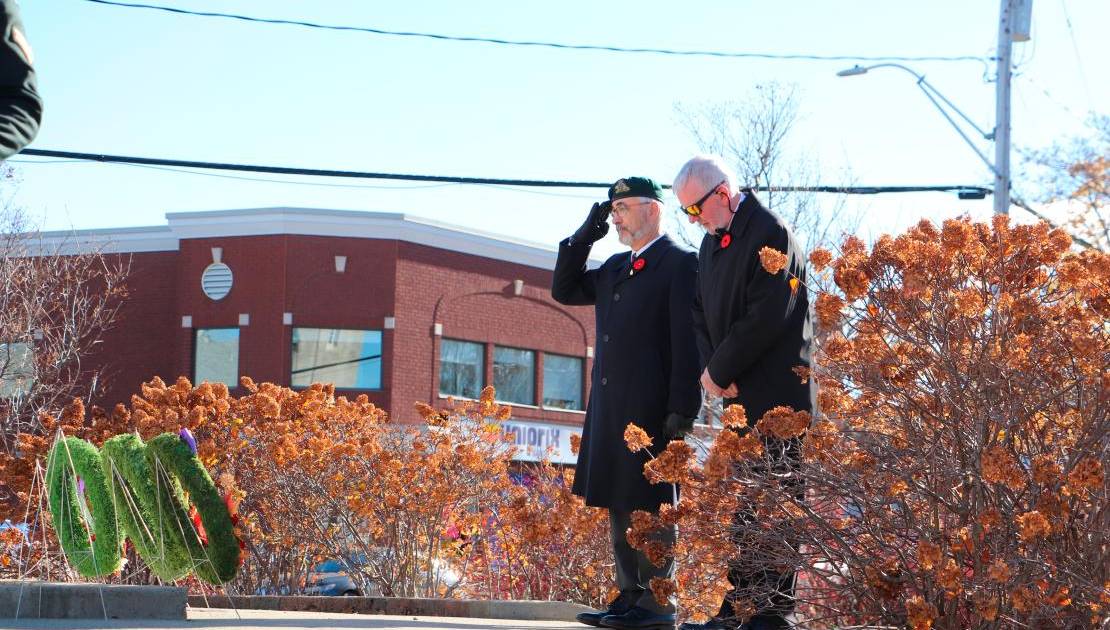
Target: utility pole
[1002, 110]
[1014, 21]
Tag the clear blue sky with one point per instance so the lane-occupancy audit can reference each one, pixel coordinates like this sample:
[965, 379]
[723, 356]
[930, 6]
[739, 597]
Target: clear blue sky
[147, 83]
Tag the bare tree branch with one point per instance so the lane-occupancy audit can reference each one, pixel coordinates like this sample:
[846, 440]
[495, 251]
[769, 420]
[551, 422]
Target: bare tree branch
[1076, 172]
[54, 311]
[753, 135]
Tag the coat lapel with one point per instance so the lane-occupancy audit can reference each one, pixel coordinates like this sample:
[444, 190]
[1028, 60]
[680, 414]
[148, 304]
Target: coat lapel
[623, 269]
[652, 259]
[740, 222]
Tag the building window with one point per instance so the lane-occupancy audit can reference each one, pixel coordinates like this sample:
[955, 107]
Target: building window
[461, 368]
[514, 375]
[562, 382]
[349, 359]
[216, 356]
[17, 369]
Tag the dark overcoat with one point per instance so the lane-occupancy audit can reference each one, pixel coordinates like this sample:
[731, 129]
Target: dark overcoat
[645, 364]
[753, 329]
[20, 104]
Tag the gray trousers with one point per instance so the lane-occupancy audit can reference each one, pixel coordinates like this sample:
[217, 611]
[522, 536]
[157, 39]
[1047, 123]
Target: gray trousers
[634, 570]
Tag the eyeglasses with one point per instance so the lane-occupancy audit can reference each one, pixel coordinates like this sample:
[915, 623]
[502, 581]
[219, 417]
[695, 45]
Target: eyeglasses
[621, 208]
[694, 209]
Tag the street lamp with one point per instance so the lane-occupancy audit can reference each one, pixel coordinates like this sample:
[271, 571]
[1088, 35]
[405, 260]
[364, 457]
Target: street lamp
[1001, 197]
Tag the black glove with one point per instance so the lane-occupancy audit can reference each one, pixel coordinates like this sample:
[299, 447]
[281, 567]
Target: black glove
[678, 425]
[596, 225]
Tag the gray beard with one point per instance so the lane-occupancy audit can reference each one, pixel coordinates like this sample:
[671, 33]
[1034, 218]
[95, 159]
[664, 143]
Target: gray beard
[627, 238]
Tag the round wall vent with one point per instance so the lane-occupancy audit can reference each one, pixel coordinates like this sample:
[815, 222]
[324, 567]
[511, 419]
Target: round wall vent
[216, 281]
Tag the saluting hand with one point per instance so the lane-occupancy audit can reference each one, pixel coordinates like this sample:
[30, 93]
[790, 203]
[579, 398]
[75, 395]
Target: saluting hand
[595, 227]
[713, 390]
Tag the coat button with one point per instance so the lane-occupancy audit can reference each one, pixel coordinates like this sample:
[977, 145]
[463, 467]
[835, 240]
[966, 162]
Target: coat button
[604, 380]
[605, 338]
[616, 297]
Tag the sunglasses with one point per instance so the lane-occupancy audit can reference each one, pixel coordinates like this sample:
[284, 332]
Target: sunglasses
[694, 209]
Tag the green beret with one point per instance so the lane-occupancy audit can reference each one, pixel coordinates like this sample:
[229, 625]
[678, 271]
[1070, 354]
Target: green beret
[635, 187]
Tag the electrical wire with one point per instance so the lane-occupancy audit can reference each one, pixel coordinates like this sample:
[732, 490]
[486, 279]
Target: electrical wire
[450, 179]
[1052, 99]
[265, 180]
[285, 170]
[1078, 57]
[541, 44]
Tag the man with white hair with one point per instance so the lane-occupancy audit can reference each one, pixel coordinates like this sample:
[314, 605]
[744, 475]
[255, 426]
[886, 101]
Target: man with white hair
[753, 331]
[645, 372]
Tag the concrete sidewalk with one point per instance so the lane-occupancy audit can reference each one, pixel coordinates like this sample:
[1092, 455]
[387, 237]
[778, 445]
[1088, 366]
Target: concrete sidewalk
[222, 619]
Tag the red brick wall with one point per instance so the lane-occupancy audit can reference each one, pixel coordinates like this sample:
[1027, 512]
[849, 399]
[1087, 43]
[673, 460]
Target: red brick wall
[360, 298]
[143, 342]
[470, 295]
[257, 264]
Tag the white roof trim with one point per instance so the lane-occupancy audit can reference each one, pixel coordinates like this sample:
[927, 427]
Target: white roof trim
[108, 241]
[307, 222]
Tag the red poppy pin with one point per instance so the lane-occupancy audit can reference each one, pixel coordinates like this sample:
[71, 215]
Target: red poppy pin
[726, 240]
[639, 264]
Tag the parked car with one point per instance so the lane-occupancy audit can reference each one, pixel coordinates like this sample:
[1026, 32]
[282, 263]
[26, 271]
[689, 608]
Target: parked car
[269, 590]
[330, 577]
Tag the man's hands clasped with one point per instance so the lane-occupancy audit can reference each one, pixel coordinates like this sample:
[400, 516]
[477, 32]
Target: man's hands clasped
[716, 391]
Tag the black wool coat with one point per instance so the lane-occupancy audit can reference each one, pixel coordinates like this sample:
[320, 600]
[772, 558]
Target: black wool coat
[20, 103]
[645, 364]
[752, 328]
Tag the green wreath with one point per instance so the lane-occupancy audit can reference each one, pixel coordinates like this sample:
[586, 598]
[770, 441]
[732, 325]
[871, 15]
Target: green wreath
[151, 509]
[142, 488]
[215, 558]
[71, 466]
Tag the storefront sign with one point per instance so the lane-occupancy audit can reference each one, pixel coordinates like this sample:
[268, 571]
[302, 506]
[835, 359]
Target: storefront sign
[534, 440]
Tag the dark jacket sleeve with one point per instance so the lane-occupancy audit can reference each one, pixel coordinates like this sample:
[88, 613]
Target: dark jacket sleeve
[573, 284]
[770, 303]
[20, 105]
[701, 330]
[685, 392]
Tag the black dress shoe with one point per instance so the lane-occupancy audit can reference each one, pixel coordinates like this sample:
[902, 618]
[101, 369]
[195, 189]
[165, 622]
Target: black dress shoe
[712, 624]
[622, 604]
[639, 619]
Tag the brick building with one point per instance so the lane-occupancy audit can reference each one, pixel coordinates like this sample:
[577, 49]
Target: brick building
[400, 308]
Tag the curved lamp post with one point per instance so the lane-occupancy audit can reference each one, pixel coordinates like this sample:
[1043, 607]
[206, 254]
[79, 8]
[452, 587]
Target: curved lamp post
[936, 98]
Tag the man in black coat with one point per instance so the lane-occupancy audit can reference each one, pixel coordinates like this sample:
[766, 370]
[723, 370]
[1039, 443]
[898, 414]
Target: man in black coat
[20, 105]
[645, 372]
[753, 330]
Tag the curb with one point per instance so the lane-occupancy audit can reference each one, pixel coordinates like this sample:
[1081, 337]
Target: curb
[400, 606]
[51, 600]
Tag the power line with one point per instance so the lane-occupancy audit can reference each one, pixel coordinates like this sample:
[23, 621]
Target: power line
[1048, 95]
[285, 170]
[450, 179]
[545, 193]
[266, 180]
[1078, 57]
[540, 44]
[261, 180]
